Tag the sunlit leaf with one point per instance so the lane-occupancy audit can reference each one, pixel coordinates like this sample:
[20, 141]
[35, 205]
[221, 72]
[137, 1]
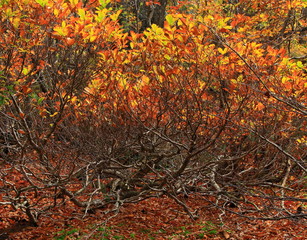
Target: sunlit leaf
[170, 19]
[101, 14]
[300, 64]
[115, 16]
[81, 13]
[73, 2]
[222, 51]
[62, 30]
[104, 3]
[43, 3]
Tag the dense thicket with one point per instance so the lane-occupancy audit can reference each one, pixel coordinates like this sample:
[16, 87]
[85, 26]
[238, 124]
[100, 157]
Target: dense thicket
[105, 103]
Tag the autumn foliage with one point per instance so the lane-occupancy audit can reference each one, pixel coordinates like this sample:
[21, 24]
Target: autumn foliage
[98, 113]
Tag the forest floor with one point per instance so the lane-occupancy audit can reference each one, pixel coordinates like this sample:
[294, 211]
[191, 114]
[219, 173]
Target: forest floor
[155, 218]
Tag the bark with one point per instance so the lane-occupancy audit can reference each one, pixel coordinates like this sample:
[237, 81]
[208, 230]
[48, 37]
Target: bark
[152, 14]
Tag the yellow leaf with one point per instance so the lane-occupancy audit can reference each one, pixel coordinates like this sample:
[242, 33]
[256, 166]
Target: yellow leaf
[114, 16]
[26, 70]
[54, 114]
[73, 100]
[145, 80]
[9, 13]
[63, 30]
[16, 22]
[73, 2]
[122, 83]
[222, 51]
[56, 12]
[101, 15]
[168, 57]
[81, 13]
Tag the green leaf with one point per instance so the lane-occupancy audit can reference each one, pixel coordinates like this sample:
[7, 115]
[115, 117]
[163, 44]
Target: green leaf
[101, 14]
[2, 100]
[43, 3]
[104, 3]
[168, 57]
[3, 2]
[40, 100]
[81, 13]
[170, 19]
[300, 64]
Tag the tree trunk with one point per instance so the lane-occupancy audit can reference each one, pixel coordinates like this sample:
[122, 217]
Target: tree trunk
[152, 14]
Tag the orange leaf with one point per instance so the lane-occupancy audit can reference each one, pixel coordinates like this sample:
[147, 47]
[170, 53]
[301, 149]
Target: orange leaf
[70, 41]
[260, 106]
[21, 114]
[21, 131]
